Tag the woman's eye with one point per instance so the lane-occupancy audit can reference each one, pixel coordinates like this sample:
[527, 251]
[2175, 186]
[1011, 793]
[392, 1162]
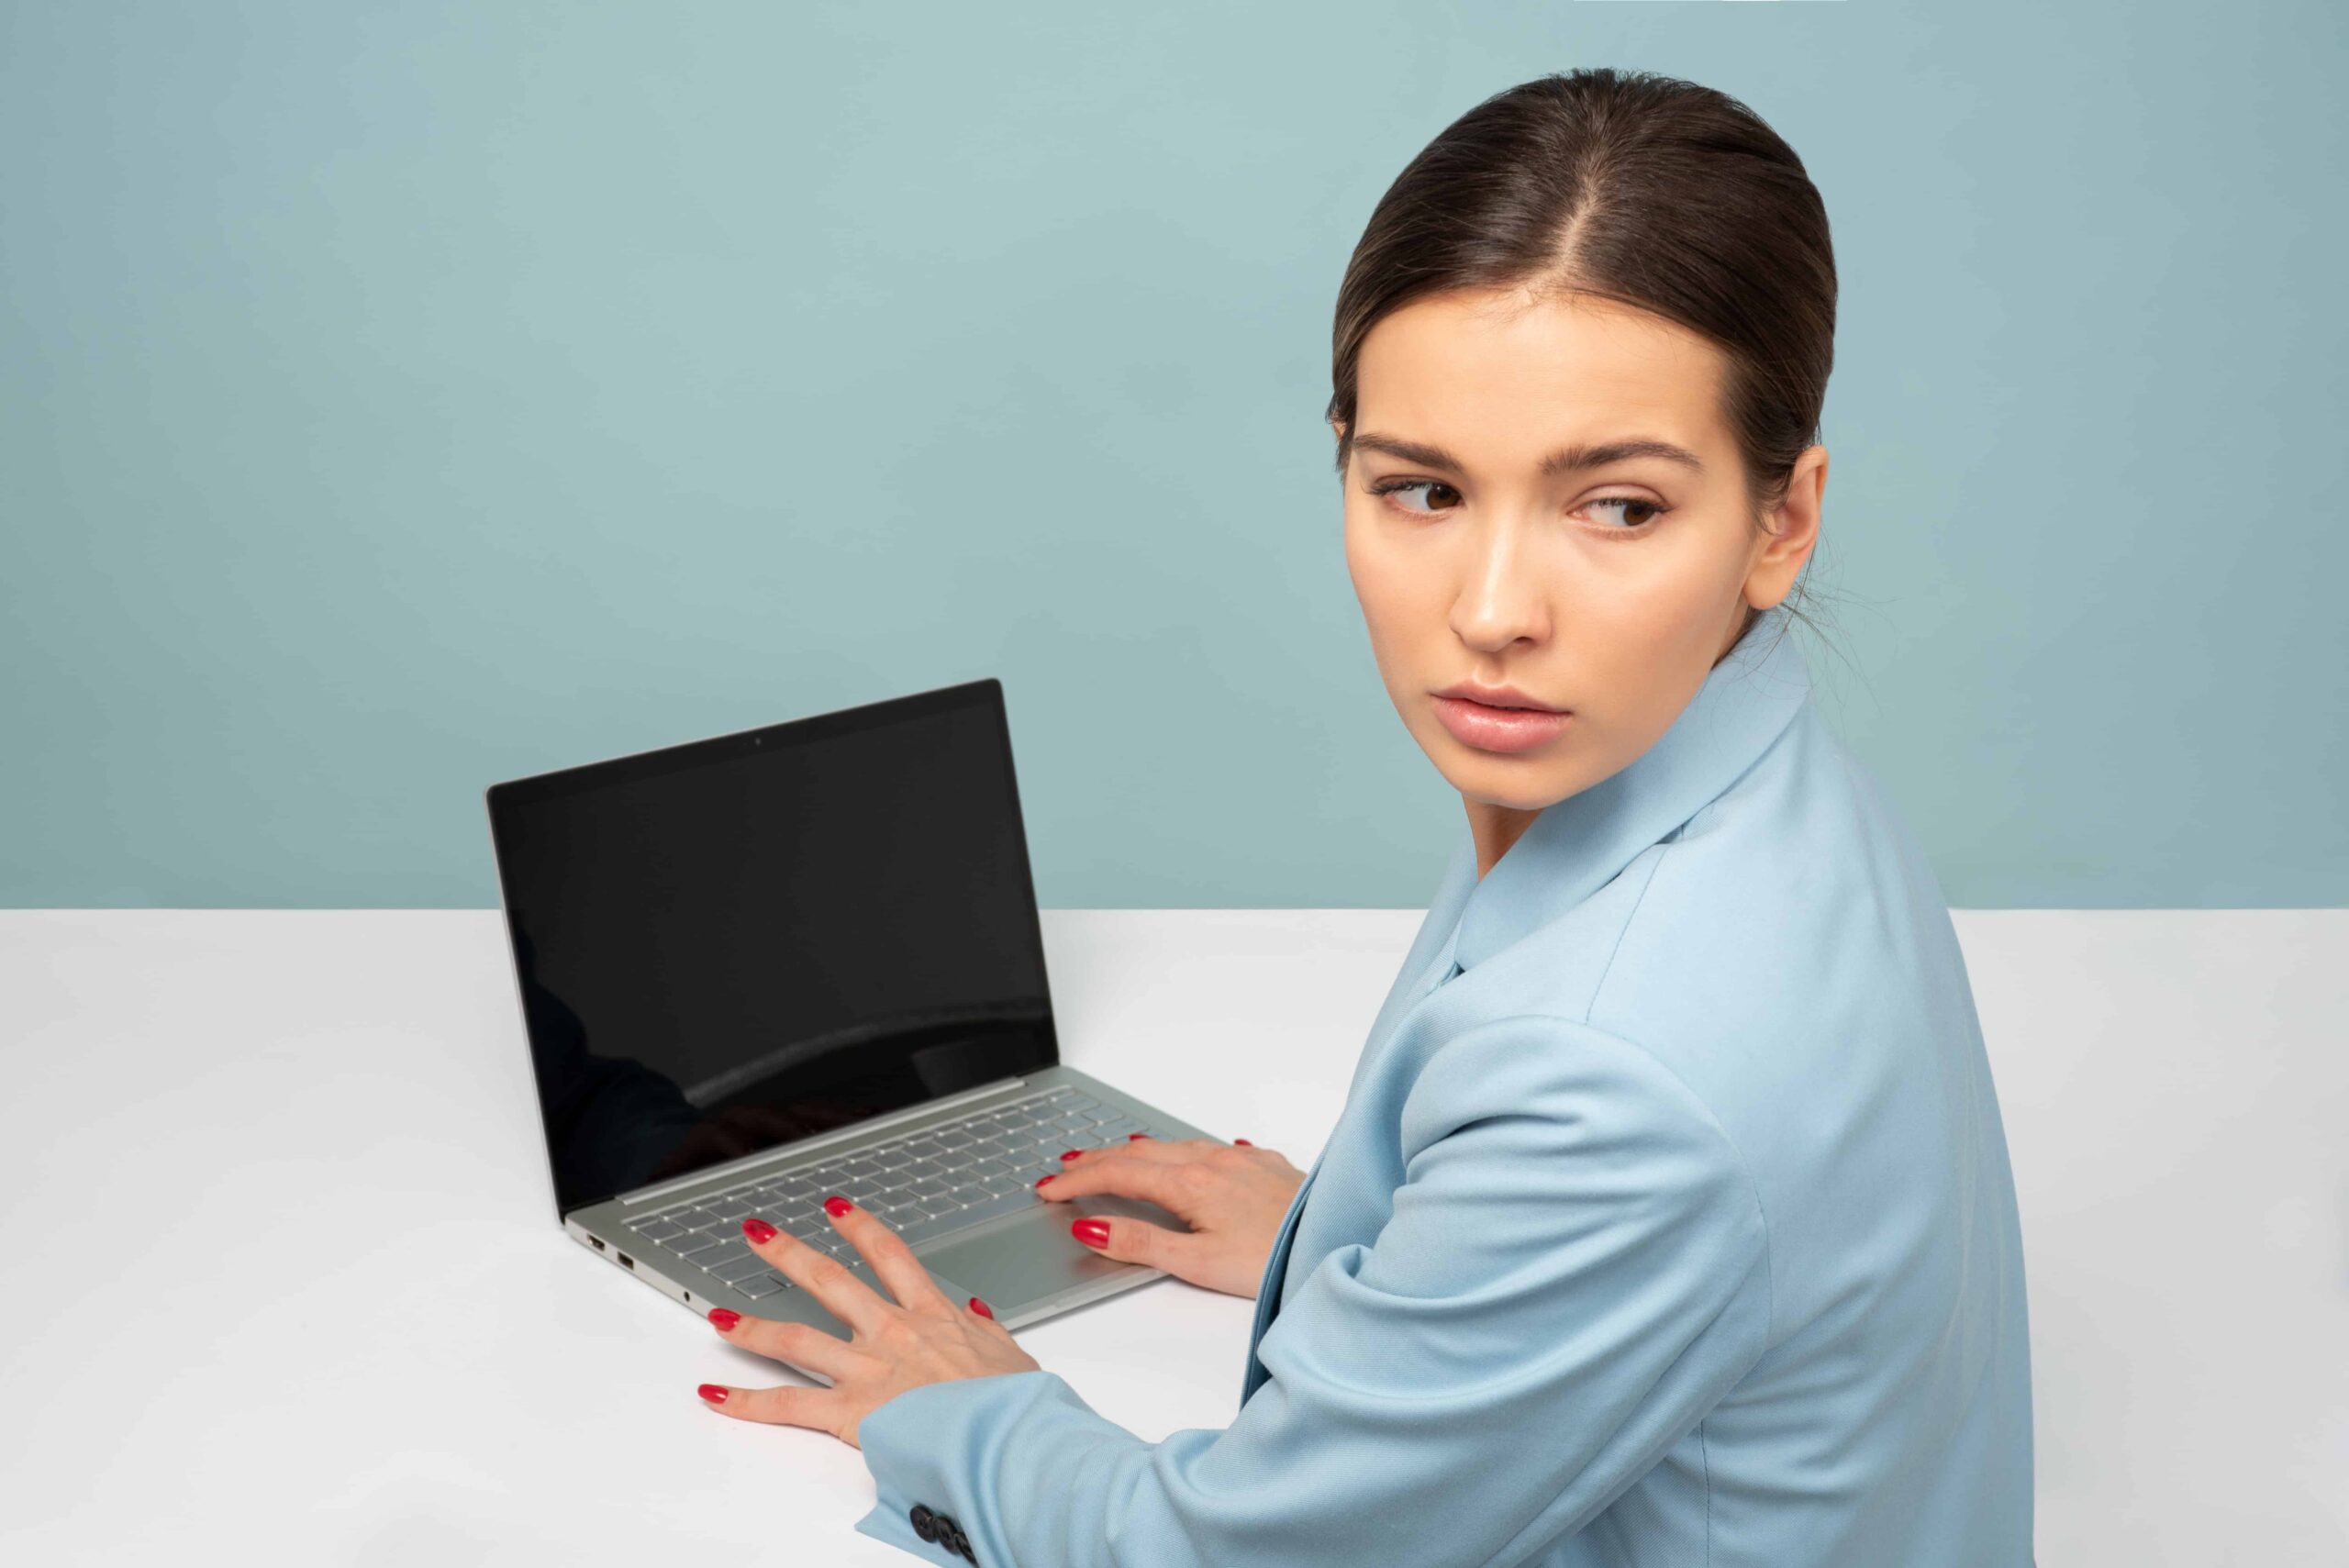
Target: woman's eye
[1629, 524]
[1403, 486]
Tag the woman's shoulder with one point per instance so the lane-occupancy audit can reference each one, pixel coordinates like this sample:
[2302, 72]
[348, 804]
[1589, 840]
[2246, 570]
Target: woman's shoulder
[1773, 989]
[1792, 961]
[1796, 916]
[1786, 946]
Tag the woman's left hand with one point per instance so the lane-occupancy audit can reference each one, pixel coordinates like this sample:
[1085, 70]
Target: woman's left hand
[920, 1338]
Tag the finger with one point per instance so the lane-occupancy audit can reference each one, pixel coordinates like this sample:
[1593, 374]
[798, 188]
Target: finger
[1137, 1241]
[1174, 1150]
[820, 1409]
[894, 1261]
[1163, 1183]
[802, 1345]
[1187, 1142]
[818, 1274]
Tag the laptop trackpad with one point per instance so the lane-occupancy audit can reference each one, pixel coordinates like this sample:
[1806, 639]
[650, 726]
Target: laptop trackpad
[1022, 1260]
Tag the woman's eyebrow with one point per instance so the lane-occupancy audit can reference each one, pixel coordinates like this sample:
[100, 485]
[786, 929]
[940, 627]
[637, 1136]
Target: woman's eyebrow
[1565, 460]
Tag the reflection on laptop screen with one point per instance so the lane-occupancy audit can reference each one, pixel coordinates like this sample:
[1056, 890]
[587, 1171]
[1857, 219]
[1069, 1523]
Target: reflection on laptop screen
[731, 945]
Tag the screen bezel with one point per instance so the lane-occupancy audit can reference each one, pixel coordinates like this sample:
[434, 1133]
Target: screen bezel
[637, 767]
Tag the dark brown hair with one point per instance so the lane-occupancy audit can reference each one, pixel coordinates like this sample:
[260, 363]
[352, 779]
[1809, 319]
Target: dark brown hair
[1643, 189]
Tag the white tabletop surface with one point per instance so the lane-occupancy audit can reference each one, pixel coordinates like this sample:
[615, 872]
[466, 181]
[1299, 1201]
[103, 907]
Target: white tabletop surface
[284, 1282]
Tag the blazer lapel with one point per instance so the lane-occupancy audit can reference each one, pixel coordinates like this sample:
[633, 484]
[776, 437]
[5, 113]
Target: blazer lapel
[1579, 844]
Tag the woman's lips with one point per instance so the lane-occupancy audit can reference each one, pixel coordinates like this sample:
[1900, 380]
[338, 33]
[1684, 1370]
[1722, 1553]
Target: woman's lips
[1498, 728]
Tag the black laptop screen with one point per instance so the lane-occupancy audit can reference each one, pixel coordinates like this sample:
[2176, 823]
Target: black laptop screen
[733, 945]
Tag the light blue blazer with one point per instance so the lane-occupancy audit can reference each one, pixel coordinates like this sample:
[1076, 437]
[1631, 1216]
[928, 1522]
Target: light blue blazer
[1669, 1222]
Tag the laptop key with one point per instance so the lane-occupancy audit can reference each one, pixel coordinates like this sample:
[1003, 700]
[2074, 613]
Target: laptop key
[757, 1285]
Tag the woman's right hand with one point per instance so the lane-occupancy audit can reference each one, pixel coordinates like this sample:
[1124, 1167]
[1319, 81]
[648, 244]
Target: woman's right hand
[1233, 1196]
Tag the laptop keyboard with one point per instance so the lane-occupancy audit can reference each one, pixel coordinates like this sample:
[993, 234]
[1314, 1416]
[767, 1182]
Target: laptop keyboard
[923, 1184]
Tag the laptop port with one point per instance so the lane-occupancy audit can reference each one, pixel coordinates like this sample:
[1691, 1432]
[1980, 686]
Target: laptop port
[596, 1241]
[626, 1262]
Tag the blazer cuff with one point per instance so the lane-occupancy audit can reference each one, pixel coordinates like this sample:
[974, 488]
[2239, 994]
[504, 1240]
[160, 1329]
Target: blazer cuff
[889, 1520]
[941, 1446]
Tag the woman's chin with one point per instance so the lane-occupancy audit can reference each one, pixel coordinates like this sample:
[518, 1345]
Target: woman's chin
[1512, 782]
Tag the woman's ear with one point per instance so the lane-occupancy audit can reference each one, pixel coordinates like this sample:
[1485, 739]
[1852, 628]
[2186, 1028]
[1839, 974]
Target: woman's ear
[1796, 531]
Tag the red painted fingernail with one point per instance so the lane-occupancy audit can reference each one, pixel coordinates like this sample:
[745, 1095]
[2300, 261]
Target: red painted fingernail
[723, 1316]
[712, 1392]
[1092, 1232]
[1041, 1180]
[1072, 1153]
[837, 1205]
[980, 1308]
[1131, 1136]
[1243, 1143]
[758, 1229]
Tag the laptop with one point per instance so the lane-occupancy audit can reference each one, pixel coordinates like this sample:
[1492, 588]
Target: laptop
[763, 968]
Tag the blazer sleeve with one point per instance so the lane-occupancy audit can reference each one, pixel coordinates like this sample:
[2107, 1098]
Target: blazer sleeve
[1576, 1270]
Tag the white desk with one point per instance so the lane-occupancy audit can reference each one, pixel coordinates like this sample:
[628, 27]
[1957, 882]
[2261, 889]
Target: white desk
[284, 1283]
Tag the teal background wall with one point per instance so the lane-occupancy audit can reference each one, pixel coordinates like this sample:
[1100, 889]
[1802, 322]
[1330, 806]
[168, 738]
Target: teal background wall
[397, 399]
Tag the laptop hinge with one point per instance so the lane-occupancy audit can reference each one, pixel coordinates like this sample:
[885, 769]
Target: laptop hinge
[793, 1151]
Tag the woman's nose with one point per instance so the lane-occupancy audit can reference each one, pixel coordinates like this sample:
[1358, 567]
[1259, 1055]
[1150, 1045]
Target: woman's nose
[1500, 599]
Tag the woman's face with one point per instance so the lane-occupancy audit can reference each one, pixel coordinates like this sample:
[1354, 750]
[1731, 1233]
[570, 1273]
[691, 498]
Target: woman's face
[1499, 554]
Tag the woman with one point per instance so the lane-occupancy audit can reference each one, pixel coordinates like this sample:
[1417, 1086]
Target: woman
[1668, 1219]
